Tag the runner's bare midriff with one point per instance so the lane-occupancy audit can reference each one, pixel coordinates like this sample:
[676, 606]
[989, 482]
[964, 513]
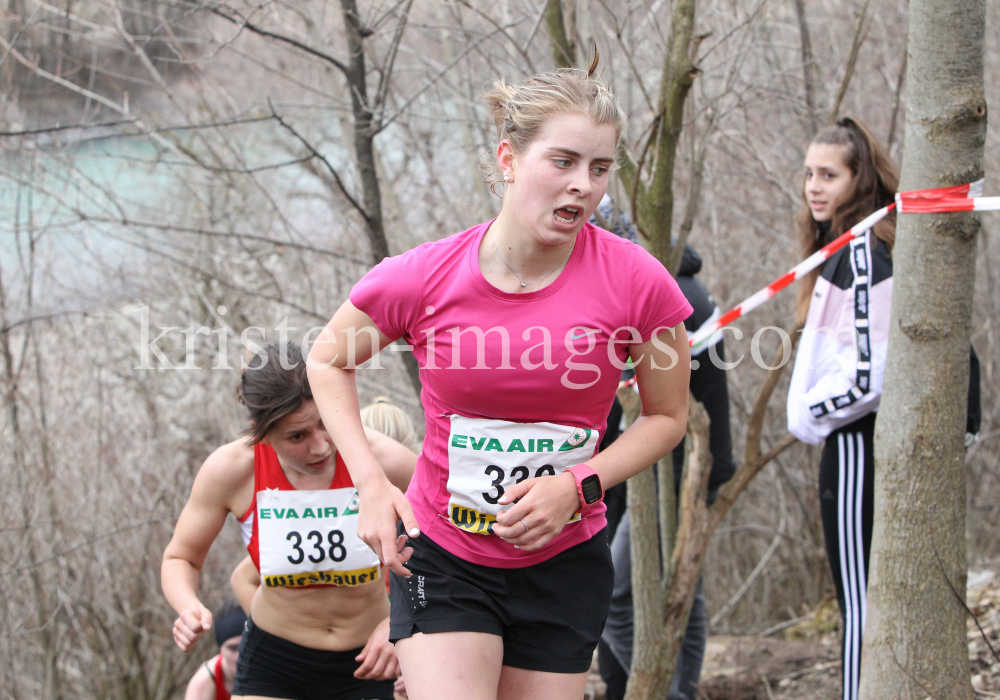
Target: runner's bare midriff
[334, 618]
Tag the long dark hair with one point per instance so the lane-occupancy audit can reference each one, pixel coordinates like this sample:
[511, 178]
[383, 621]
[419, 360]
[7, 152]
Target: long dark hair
[272, 385]
[876, 179]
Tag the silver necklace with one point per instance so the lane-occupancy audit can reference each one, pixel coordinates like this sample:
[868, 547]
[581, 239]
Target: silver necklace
[493, 239]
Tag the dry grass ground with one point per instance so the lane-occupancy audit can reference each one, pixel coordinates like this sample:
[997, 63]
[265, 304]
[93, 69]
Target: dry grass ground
[803, 661]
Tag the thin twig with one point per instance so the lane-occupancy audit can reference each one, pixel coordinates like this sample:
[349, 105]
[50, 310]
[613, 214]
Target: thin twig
[44, 317]
[17, 35]
[430, 83]
[280, 37]
[226, 234]
[961, 599]
[618, 30]
[336, 176]
[860, 32]
[57, 555]
[121, 109]
[503, 30]
[761, 565]
[383, 88]
[896, 101]
[125, 122]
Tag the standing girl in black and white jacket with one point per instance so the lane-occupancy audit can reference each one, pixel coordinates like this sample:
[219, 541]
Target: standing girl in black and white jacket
[837, 381]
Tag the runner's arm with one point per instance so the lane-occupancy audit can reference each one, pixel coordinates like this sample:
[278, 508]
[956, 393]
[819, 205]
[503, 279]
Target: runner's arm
[197, 527]
[546, 504]
[378, 658]
[660, 426]
[331, 376]
[397, 461]
[201, 686]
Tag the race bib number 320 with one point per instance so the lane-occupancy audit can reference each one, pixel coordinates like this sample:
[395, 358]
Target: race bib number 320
[309, 538]
[488, 456]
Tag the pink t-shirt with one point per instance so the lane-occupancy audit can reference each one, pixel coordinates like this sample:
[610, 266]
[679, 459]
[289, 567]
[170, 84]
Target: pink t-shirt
[487, 357]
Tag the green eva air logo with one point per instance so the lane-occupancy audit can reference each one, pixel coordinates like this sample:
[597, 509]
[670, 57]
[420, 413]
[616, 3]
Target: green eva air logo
[352, 507]
[578, 438]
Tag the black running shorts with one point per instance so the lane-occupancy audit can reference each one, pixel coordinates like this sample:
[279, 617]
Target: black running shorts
[550, 615]
[273, 667]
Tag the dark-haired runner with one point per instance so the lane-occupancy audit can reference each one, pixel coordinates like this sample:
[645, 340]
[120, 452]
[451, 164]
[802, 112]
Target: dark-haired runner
[323, 600]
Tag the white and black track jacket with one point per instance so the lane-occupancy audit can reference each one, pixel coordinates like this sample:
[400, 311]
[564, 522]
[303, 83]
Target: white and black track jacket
[841, 358]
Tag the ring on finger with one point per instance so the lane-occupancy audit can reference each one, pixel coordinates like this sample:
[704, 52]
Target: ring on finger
[524, 523]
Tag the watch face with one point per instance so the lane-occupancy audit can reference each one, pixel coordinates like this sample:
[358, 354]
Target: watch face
[591, 487]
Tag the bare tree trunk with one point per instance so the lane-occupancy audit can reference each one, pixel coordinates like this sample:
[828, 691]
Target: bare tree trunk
[679, 73]
[364, 130]
[808, 64]
[664, 583]
[653, 203]
[563, 51]
[860, 31]
[915, 641]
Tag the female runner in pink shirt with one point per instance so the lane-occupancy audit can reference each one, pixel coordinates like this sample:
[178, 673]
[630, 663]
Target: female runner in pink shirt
[521, 327]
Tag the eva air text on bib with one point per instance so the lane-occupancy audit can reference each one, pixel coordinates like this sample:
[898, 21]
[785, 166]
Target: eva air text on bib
[487, 456]
[309, 538]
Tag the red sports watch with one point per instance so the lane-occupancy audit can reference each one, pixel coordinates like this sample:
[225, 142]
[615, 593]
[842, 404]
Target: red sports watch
[588, 484]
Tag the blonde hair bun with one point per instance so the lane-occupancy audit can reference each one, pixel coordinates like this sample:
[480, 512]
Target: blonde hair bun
[519, 111]
[383, 416]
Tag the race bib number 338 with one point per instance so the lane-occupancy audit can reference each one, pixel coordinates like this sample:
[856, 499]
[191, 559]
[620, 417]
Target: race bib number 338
[309, 538]
[487, 456]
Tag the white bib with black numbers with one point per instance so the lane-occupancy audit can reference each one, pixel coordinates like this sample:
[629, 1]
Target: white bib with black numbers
[487, 456]
[309, 538]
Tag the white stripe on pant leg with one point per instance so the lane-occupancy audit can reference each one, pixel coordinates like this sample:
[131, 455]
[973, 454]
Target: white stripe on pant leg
[860, 540]
[842, 543]
[852, 652]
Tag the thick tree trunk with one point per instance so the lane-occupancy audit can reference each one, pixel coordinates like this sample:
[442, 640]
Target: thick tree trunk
[679, 73]
[364, 150]
[563, 51]
[915, 639]
[364, 131]
[808, 64]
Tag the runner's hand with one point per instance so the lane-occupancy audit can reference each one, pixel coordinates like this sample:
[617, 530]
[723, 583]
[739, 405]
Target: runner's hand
[382, 506]
[378, 658]
[192, 623]
[545, 504]
[399, 688]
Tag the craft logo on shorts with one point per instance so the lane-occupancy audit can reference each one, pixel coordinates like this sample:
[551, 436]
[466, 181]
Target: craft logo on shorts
[357, 577]
[421, 595]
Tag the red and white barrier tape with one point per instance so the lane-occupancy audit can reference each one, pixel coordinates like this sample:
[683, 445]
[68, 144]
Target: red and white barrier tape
[938, 200]
[944, 199]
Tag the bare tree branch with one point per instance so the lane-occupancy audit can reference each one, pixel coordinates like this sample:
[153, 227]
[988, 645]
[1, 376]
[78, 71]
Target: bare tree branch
[316, 154]
[860, 32]
[238, 20]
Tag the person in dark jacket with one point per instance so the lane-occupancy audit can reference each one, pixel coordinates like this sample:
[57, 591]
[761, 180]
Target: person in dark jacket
[708, 386]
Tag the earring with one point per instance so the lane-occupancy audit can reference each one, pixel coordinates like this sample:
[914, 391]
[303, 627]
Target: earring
[506, 177]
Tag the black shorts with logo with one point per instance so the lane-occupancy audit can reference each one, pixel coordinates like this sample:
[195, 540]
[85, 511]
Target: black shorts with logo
[272, 667]
[550, 615]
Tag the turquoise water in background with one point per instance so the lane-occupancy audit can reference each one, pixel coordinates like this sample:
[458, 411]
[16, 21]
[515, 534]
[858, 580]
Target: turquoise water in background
[63, 194]
[77, 196]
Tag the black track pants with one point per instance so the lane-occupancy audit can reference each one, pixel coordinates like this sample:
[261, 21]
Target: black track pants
[846, 497]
